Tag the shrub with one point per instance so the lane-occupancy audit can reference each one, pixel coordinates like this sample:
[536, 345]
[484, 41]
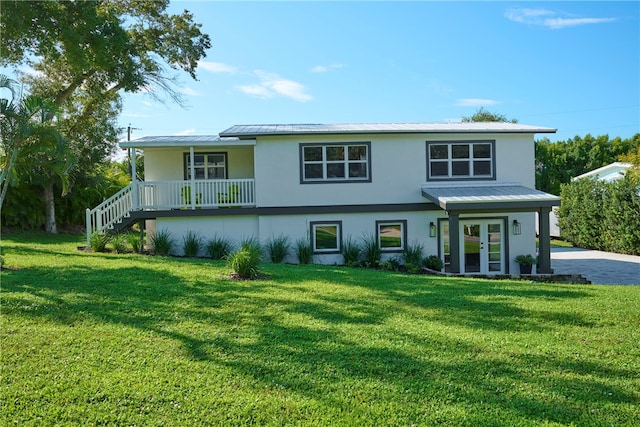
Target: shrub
[99, 241]
[119, 243]
[218, 248]
[191, 244]
[413, 254]
[162, 243]
[350, 252]
[278, 248]
[245, 262]
[392, 264]
[135, 241]
[371, 251]
[602, 215]
[433, 262]
[304, 251]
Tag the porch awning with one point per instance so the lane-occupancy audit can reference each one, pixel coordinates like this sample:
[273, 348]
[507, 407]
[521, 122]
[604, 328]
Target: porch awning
[488, 198]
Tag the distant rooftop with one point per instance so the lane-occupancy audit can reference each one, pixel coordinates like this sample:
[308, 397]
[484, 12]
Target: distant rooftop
[252, 131]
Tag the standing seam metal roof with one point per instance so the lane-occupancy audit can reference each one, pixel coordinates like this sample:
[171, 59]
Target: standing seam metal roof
[245, 131]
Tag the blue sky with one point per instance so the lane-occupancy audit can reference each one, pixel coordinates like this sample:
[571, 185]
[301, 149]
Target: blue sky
[574, 66]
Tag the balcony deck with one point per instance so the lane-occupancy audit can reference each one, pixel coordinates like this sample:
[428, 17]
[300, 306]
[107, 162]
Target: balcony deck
[168, 195]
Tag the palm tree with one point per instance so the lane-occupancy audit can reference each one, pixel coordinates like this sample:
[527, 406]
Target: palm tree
[27, 127]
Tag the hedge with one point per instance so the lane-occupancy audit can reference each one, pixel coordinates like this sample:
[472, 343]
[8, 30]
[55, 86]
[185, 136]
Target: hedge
[602, 215]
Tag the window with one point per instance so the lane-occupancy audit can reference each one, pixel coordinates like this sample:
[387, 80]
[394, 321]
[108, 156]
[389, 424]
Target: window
[326, 237]
[335, 162]
[391, 235]
[206, 165]
[460, 160]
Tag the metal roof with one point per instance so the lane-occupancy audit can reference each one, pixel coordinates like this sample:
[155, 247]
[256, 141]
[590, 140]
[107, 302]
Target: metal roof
[495, 196]
[182, 141]
[252, 131]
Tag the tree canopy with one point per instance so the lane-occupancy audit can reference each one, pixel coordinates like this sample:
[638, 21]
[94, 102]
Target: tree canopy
[84, 55]
[483, 115]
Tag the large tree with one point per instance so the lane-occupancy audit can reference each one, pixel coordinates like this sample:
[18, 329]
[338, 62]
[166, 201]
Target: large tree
[85, 54]
[482, 115]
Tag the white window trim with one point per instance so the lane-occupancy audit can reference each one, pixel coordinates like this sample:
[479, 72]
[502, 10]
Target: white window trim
[338, 225]
[324, 162]
[403, 234]
[449, 161]
[187, 164]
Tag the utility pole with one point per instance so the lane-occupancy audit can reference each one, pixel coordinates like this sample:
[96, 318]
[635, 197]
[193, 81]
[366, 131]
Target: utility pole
[129, 129]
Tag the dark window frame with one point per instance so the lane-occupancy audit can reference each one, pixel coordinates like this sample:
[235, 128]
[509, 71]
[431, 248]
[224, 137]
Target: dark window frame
[324, 162]
[403, 224]
[312, 228]
[449, 161]
[187, 156]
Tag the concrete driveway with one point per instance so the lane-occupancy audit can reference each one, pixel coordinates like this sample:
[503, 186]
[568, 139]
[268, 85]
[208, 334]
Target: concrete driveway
[598, 267]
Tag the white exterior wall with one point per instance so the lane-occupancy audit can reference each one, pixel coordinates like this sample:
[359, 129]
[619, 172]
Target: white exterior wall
[398, 169]
[168, 163]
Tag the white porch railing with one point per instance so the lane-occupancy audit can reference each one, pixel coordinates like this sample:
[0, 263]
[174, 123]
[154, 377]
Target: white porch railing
[166, 195]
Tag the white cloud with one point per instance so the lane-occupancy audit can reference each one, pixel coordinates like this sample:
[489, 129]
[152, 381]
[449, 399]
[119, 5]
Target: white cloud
[190, 92]
[216, 67]
[475, 102]
[326, 68]
[189, 131]
[272, 85]
[558, 23]
[550, 19]
[134, 114]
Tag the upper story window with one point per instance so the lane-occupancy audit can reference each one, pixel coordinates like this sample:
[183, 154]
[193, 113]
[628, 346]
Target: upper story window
[335, 162]
[206, 166]
[460, 160]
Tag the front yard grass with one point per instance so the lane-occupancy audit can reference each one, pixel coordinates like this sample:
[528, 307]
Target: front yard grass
[110, 339]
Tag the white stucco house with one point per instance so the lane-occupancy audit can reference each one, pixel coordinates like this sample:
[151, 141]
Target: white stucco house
[465, 191]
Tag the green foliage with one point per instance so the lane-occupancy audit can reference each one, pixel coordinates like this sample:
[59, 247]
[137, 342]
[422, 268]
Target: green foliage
[218, 248]
[433, 262]
[483, 115]
[278, 248]
[351, 252]
[119, 243]
[135, 241]
[245, 262]
[558, 162]
[162, 243]
[600, 215]
[413, 253]
[526, 259]
[304, 251]
[371, 251]
[191, 244]
[99, 241]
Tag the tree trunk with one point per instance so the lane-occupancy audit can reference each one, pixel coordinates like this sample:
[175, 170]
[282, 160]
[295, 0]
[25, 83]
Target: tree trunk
[50, 210]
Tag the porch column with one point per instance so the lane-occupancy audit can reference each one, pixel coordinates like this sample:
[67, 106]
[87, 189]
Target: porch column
[192, 190]
[135, 203]
[544, 245]
[454, 241]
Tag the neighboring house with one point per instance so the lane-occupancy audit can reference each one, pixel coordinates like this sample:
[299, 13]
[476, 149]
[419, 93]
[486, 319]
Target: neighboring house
[608, 173]
[465, 191]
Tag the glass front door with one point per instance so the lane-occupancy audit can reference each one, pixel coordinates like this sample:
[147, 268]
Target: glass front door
[482, 246]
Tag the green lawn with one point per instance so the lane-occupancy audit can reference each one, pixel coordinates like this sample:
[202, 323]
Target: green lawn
[111, 339]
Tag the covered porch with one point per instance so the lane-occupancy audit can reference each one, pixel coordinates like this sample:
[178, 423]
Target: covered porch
[493, 199]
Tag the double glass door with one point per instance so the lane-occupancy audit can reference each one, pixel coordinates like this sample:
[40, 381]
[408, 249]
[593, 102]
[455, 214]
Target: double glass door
[481, 246]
